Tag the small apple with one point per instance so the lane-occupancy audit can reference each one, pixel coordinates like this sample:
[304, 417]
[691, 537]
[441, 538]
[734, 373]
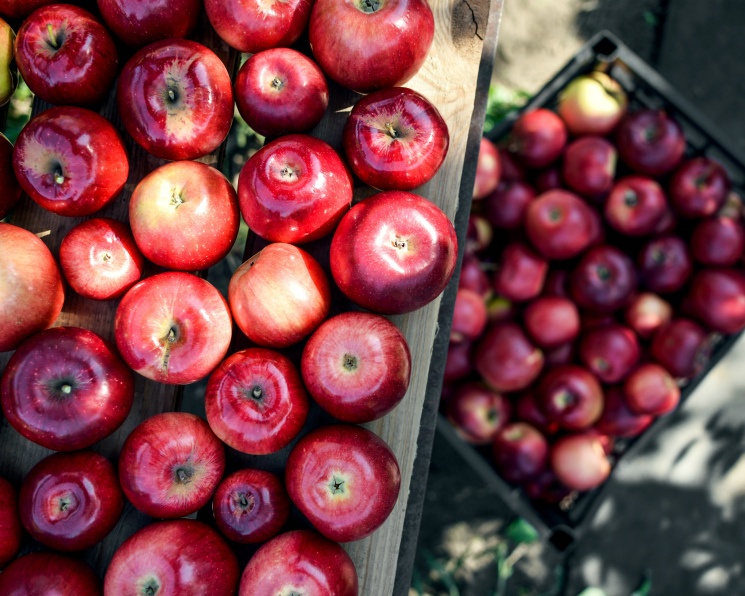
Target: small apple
[8, 77]
[469, 316]
[140, 22]
[580, 462]
[699, 188]
[603, 280]
[681, 346]
[651, 390]
[650, 142]
[717, 298]
[592, 104]
[521, 273]
[488, 169]
[719, 241]
[520, 452]
[477, 413]
[505, 207]
[589, 166]
[636, 206]
[646, 313]
[11, 189]
[610, 352]
[617, 419]
[49, 573]
[559, 224]
[538, 138]
[572, 396]
[665, 264]
[10, 523]
[551, 321]
[506, 359]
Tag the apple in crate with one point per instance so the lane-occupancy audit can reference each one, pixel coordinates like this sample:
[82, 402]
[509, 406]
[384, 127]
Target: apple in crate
[140, 22]
[589, 166]
[650, 389]
[538, 138]
[610, 352]
[49, 573]
[10, 523]
[488, 169]
[665, 264]
[11, 189]
[717, 298]
[646, 313]
[572, 396]
[477, 413]
[718, 241]
[506, 359]
[617, 419]
[469, 316]
[7, 75]
[559, 224]
[650, 142]
[551, 321]
[603, 280]
[681, 347]
[520, 452]
[636, 206]
[580, 461]
[505, 207]
[592, 104]
[699, 188]
[521, 273]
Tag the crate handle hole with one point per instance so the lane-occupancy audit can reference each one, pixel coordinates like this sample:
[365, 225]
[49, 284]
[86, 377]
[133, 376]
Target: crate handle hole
[562, 538]
[606, 49]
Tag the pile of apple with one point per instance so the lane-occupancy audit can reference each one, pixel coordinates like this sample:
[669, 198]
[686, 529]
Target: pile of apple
[66, 388]
[603, 262]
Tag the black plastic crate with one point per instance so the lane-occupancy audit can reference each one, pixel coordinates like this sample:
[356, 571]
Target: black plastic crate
[561, 525]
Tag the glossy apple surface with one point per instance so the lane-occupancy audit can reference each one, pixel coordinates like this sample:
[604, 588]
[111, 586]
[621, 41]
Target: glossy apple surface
[469, 316]
[650, 142]
[170, 465]
[300, 562]
[699, 187]
[551, 321]
[140, 22]
[650, 389]
[717, 298]
[49, 573]
[10, 523]
[646, 313]
[71, 501]
[173, 328]
[506, 359]
[665, 264]
[477, 413]
[393, 253]
[505, 207]
[589, 166]
[579, 461]
[635, 206]
[521, 273]
[66, 56]
[100, 259]
[538, 138]
[572, 396]
[182, 556]
[488, 169]
[344, 479]
[592, 104]
[719, 241]
[617, 419]
[603, 280]
[175, 99]
[610, 352]
[256, 402]
[357, 366]
[8, 79]
[520, 452]
[681, 347]
[72, 182]
[279, 296]
[184, 216]
[294, 190]
[66, 389]
[559, 224]
[280, 91]
[251, 506]
[11, 189]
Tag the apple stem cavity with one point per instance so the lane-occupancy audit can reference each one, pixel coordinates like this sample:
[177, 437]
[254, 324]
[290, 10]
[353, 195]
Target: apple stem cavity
[369, 5]
[392, 132]
[54, 43]
[631, 199]
[399, 243]
[565, 399]
[184, 475]
[176, 198]
[150, 587]
[350, 362]
[603, 273]
[336, 486]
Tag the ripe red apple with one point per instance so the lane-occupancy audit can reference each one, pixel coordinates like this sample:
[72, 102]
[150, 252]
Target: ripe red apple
[173, 328]
[551, 321]
[592, 104]
[100, 259]
[548, 179]
[650, 142]
[579, 461]
[71, 161]
[488, 169]
[394, 252]
[180, 556]
[589, 166]
[610, 352]
[49, 573]
[717, 298]
[500, 310]
[681, 346]
[71, 501]
[300, 562]
[279, 296]
[170, 465]
[11, 189]
[719, 241]
[31, 291]
[527, 410]
[479, 234]
[651, 390]
[521, 273]
[10, 523]
[538, 138]
[344, 479]
[20, 9]
[184, 216]
[505, 207]
[66, 389]
[559, 224]
[603, 280]
[668, 223]
[66, 56]
[506, 359]
[699, 187]
[357, 366]
[547, 488]
[557, 283]
[469, 316]
[509, 168]
[395, 139]
[175, 99]
[294, 190]
[255, 401]
[368, 45]
[251, 506]
[473, 277]
[520, 452]
[617, 419]
[140, 22]
[280, 91]
[635, 206]
[459, 361]
[646, 313]
[572, 396]
[477, 413]
[665, 264]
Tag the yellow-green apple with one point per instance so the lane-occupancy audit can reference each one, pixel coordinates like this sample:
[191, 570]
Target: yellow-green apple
[11, 189]
[477, 413]
[10, 523]
[140, 22]
[579, 461]
[7, 72]
[538, 138]
[592, 104]
[650, 142]
[488, 170]
[48, 573]
[635, 206]
[699, 187]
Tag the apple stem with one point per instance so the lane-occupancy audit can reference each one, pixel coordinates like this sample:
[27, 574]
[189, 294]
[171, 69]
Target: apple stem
[171, 94]
[399, 243]
[176, 198]
[66, 389]
[350, 362]
[59, 177]
[277, 83]
[256, 392]
[336, 486]
[391, 130]
[604, 273]
[630, 199]
[52, 37]
[183, 476]
[565, 399]
[106, 257]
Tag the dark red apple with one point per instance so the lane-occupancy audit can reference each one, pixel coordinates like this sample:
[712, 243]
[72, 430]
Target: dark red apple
[344, 479]
[173, 328]
[171, 464]
[610, 352]
[589, 166]
[572, 396]
[509, 168]
[617, 419]
[66, 56]
[182, 556]
[603, 280]
[506, 359]
[295, 189]
[71, 501]
[646, 313]
[477, 413]
[681, 346]
[20, 9]
[651, 390]
[527, 410]
[479, 234]
[469, 316]
[635, 206]
[279, 296]
[650, 142]
[251, 506]
[505, 207]
[255, 401]
[592, 104]
[31, 291]
[546, 487]
[11, 189]
[562, 354]
[66, 389]
[140, 22]
[521, 273]
[300, 562]
[366, 45]
[548, 179]
[357, 366]
[500, 310]
[559, 224]
[668, 223]
[393, 253]
[717, 298]
[42, 573]
[459, 361]
[699, 187]
[175, 99]
[665, 264]
[719, 241]
[71, 161]
[580, 462]
[473, 277]
[557, 283]
[520, 452]
[10, 523]
[551, 321]
[488, 169]
[538, 138]
[280, 91]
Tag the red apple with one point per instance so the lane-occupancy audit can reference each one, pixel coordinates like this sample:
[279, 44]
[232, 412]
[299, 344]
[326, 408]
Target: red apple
[650, 142]
[668, 223]
[717, 298]
[699, 187]
[617, 419]
[509, 168]
[664, 264]
[479, 234]
[459, 361]
[547, 488]
[294, 190]
[635, 206]
[557, 283]
[11, 189]
[344, 479]
[559, 224]
[66, 56]
[488, 169]
[562, 354]
[681, 346]
[20, 9]
[280, 91]
[71, 161]
[279, 296]
[610, 352]
[473, 277]
[506, 359]
[184, 216]
[580, 462]
[500, 310]
[603, 280]
[589, 166]
[469, 316]
[651, 390]
[140, 22]
[31, 292]
[538, 138]
[300, 562]
[520, 452]
[719, 241]
[395, 139]
[505, 207]
[477, 413]
[357, 366]
[548, 179]
[175, 99]
[66, 389]
[646, 313]
[521, 273]
[551, 321]
[592, 104]
[170, 465]
[71, 501]
[182, 556]
[366, 45]
[571, 396]
[10, 523]
[255, 401]
[527, 410]
[8, 74]
[49, 573]
[251, 506]
[100, 259]
[393, 253]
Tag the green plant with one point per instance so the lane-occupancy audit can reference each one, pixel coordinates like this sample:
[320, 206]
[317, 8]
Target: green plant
[501, 102]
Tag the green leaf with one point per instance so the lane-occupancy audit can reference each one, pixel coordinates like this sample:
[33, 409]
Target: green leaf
[650, 18]
[645, 588]
[520, 531]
